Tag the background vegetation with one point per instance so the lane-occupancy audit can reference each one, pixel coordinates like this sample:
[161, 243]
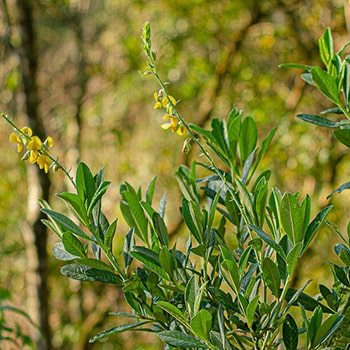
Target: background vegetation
[99, 108]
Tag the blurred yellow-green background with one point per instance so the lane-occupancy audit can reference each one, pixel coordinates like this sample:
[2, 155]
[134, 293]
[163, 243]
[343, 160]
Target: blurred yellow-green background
[98, 107]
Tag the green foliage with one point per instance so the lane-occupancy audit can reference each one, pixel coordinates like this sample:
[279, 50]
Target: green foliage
[230, 288]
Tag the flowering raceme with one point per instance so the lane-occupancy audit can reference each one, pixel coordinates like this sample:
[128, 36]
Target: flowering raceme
[168, 103]
[36, 150]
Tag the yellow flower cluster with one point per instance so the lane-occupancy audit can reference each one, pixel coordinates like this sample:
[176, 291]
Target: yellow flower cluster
[36, 150]
[168, 103]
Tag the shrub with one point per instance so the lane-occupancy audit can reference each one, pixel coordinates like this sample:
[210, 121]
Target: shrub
[230, 288]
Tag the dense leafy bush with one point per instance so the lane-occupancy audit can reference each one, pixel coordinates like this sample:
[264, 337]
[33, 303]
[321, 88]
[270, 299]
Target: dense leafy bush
[229, 285]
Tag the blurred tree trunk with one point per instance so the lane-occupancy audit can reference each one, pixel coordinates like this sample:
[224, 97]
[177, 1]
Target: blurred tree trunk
[38, 181]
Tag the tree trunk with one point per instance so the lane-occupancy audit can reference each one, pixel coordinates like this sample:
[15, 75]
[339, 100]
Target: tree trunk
[38, 181]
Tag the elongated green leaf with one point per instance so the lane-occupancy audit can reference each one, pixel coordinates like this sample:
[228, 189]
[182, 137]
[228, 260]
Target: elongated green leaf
[109, 235]
[132, 211]
[201, 324]
[341, 274]
[293, 257]
[318, 120]
[218, 131]
[181, 340]
[295, 65]
[150, 190]
[128, 245]
[220, 343]
[119, 329]
[250, 310]
[150, 260]
[160, 229]
[325, 84]
[229, 270]
[190, 295]
[248, 138]
[292, 217]
[60, 252]
[271, 276]
[267, 239]
[166, 262]
[192, 216]
[85, 183]
[100, 191]
[343, 135]
[175, 312]
[73, 245]
[103, 276]
[66, 223]
[290, 333]
[315, 226]
[328, 327]
[247, 201]
[325, 44]
[77, 205]
[314, 323]
[94, 263]
[77, 272]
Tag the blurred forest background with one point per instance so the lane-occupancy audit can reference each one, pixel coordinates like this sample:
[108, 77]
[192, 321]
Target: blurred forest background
[71, 69]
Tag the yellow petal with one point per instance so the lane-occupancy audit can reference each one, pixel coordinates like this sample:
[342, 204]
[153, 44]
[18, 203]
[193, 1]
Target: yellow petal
[157, 105]
[166, 126]
[49, 141]
[33, 157]
[27, 131]
[34, 144]
[181, 131]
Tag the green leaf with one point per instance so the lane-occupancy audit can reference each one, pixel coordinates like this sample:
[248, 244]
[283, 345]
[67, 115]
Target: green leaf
[66, 223]
[272, 276]
[271, 242]
[292, 217]
[328, 327]
[246, 200]
[73, 245]
[160, 229]
[250, 310]
[103, 276]
[119, 329]
[133, 212]
[192, 217]
[109, 235]
[293, 257]
[77, 272]
[190, 295]
[326, 84]
[314, 226]
[218, 131]
[166, 262]
[295, 65]
[325, 44]
[290, 333]
[60, 252]
[101, 190]
[150, 260]
[229, 270]
[343, 135]
[181, 340]
[150, 190]
[314, 323]
[201, 324]
[94, 263]
[77, 205]
[174, 312]
[320, 121]
[248, 138]
[85, 183]
[128, 245]
[341, 275]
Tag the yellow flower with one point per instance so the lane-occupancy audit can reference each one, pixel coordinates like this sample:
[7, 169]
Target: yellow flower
[173, 123]
[181, 130]
[27, 131]
[15, 139]
[33, 157]
[165, 101]
[44, 162]
[48, 142]
[34, 144]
